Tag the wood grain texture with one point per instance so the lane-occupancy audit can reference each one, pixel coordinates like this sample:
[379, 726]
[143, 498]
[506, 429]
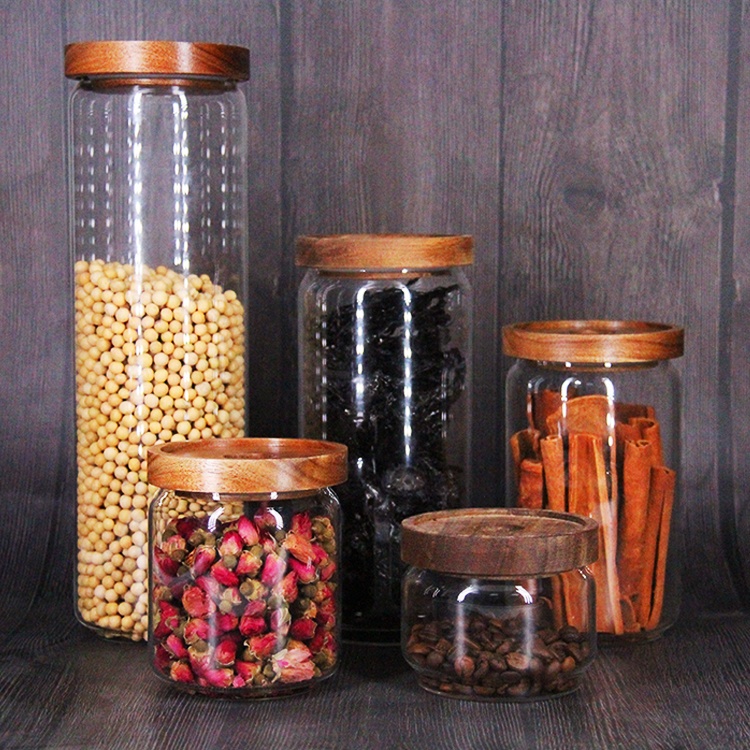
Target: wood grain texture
[613, 143]
[392, 124]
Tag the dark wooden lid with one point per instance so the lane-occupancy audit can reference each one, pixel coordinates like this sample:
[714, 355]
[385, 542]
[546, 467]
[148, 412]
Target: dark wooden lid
[384, 251]
[157, 58]
[499, 542]
[247, 465]
[593, 341]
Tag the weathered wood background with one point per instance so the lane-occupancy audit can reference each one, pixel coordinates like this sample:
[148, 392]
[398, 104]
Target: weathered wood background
[598, 150]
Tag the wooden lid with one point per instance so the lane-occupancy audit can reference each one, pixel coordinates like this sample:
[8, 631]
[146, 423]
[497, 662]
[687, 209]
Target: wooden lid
[593, 341]
[156, 58]
[499, 542]
[247, 465]
[384, 251]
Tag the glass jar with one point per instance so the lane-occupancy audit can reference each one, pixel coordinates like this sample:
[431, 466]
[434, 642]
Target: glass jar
[593, 427]
[158, 217]
[498, 604]
[385, 368]
[244, 540]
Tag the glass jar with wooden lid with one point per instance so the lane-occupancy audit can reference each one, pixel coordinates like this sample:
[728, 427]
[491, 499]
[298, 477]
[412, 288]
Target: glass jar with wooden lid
[244, 560]
[593, 427]
[498, 603]
[385, 368]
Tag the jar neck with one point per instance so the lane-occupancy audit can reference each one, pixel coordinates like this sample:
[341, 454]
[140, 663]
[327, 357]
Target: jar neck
[595, 366]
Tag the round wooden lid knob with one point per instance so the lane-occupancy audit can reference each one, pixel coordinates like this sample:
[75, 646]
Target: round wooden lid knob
[247, 465]
[499, 542]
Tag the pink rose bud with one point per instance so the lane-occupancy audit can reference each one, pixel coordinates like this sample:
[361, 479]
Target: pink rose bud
[247, 669]
[303, 629]
[294, 664]
[231, 544]
[225, 652]
[195, 630]
[180, 672]
[326, 571]
[261, 646]
[166, 567]
[175, 646]
[248, 531]
[221, 678]
[196, 603]
[302, 525]
[252, 625]
[255, 608]
[200, 661]
[210, 587]
[287, 587]
[186, 526]
[200, 560]
[306, 572]
[273, 569]
[299, 547]
[162, 658]
[248, 563]
[223, 575]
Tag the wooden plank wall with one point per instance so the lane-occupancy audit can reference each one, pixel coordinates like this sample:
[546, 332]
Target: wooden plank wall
[596, 149]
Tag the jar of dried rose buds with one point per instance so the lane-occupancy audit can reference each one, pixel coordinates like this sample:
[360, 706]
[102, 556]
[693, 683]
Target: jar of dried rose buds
[244, 551]
[593, 427]
[158, 204]
[498, 603]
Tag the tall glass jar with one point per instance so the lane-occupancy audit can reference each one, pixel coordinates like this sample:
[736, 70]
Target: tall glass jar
[158, 219]
[593, 427]
[244, 542]
[385, 368]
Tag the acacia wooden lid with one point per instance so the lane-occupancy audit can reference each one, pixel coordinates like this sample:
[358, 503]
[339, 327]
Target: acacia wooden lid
[384, 251]
[593, 341]
[499, 542]
[247, 465]
[157, 58]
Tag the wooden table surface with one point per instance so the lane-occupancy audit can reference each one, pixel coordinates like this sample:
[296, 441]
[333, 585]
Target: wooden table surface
[691, 689]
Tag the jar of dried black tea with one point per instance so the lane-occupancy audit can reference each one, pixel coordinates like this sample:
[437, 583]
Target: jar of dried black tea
[385, 368]
[499, 603]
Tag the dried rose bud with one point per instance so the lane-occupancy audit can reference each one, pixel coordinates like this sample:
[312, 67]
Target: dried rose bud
[306, 572]
[300, 548]
[238, 682]
[280, 620]
[265, 519]
[252, 589]
[221, 678]
[323, 647]
[321, 556]
[286, 588]
[248, 563]
[251, 625]
[166, 567]
[162, 658]
[324, 592]
[326, 571]
[294, 663]
[226, 622]
[268, 543]
[305, 607]
[169, 619]
[200, 661]
[225, 652]
[302, 525]
[174, 547]
[223, 575]
[255, 608]
[273, 569]
[195, 630]
[175, 646]
[210, 586]
[186, 526]
[248, 531]
[180, 672]
[261, 646]
[231, 544]
[303, 629]
[247, 669]
[200, 560]
[197, 603]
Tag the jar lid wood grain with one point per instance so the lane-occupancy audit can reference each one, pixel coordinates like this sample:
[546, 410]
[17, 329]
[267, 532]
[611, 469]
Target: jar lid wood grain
[156, 58]
[384, 251]
[247, 465]
[499, 542]
[595, 341]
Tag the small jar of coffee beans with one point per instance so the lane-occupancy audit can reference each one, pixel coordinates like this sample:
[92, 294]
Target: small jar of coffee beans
[498, 604]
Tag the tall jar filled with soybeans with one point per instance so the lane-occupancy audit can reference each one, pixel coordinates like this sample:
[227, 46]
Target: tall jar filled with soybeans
[158, 221]
[593, 428]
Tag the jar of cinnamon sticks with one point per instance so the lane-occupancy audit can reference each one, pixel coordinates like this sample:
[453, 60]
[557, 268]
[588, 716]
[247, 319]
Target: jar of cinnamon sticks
[593, 428]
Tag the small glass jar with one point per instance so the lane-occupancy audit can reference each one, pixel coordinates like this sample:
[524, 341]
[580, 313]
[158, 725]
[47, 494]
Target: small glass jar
[498, 604]
[158, 217]
[593, 427]
[244, 542]
[385, 368]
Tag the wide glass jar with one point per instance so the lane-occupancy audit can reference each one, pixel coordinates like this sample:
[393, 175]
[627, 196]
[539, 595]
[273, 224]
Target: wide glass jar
[593, 427]
[385, 368]
[498, 604]
[244, 560]
[158, 217]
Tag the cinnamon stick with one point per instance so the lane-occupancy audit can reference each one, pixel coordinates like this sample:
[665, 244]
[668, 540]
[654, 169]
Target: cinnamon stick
[666, 482]
[650, 430]
[636, 482]
[524, 444]
[531, 484]
[589, 495]
[544, 403]
[553, 460]
[587, 414]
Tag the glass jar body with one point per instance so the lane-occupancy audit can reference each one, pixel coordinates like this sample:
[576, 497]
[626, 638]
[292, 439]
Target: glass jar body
[498, 638]
[385, 368]
[158, 221]
[244, 592]
[603, 440]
